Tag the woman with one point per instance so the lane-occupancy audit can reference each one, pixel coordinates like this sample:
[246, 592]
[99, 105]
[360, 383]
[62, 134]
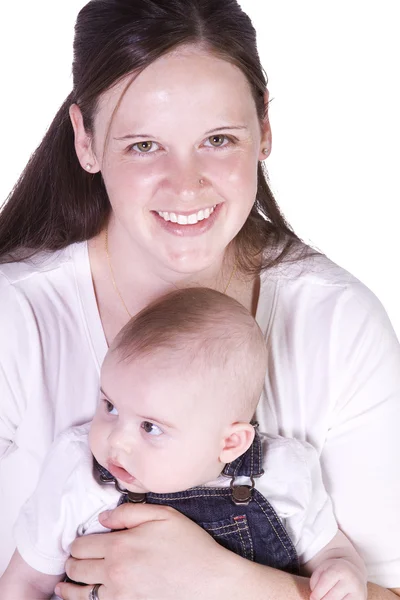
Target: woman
[150, 178]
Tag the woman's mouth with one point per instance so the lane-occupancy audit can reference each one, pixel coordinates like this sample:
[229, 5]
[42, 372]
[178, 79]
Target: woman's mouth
[184, 219]
[188, 223]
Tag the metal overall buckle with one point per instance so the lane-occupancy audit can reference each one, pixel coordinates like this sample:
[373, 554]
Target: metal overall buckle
[132, 497]
[242, 494]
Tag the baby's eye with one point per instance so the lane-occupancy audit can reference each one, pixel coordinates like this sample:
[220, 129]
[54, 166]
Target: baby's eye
[110, 408]
[151, 428]
[146, 147]
[218, 140]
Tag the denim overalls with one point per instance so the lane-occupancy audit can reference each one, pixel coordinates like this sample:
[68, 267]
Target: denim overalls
[237, 517]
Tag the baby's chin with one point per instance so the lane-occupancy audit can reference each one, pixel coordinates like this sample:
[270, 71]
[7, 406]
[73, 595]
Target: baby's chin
[135, 487]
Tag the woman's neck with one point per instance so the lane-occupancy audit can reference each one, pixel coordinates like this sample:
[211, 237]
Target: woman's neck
[125, 281]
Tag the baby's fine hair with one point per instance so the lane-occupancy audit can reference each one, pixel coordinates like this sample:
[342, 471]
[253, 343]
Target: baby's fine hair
[204, 329]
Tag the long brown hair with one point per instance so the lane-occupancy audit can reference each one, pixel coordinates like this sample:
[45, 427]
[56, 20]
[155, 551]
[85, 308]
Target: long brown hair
[55, 202]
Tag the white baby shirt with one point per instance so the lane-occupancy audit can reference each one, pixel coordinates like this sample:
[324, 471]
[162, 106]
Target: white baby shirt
[68, 499]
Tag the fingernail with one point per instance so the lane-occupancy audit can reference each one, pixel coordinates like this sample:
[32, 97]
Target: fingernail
[104, 515]
[57, 590]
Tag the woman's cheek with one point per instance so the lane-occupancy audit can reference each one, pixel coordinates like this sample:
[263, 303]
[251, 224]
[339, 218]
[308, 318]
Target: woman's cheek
[237, 173]
[133, 186]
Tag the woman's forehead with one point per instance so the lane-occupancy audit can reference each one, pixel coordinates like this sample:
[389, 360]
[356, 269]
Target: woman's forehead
[189, 84]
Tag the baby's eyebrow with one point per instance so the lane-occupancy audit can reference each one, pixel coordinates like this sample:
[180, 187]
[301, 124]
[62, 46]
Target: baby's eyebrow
[144, 418]
[104, 394]
[159, 421]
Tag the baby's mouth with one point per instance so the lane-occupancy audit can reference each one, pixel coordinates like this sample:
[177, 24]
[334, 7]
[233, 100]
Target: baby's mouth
[119, 472]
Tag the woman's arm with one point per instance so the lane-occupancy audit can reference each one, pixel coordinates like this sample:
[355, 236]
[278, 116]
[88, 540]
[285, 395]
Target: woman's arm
[16, 466]
[20, 581]
[360, 453]
[164, 555]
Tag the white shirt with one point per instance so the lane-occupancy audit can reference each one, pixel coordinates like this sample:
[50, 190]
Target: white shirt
[333, 380]
[68, 499]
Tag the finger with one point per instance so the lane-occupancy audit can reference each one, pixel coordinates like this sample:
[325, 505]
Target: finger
[337, 592]
[93, 546]
[69, 591]
[326, 582]
[315, 577]
[127, 516]
[89, 571]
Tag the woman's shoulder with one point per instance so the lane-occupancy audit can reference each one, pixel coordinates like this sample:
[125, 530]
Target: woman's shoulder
[317, 286]
[310, 268]
[39, 264]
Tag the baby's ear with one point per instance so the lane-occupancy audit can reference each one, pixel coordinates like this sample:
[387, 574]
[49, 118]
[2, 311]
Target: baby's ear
[237, 440]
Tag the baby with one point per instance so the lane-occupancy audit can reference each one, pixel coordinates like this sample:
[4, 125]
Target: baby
[179, 388]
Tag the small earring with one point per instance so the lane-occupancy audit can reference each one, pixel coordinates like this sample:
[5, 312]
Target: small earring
[265, 150]
[88, 167]
[201, 181]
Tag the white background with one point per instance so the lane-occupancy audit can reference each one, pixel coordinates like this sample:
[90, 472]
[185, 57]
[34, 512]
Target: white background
[333, 68]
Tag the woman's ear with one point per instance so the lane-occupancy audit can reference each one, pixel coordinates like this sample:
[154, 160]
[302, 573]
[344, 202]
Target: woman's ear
[266, 135]
[83, 141]
[237, 440]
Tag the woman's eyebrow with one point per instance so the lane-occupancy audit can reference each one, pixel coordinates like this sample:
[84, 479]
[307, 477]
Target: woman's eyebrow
[135, 135]
[149, 136]
[224, 127]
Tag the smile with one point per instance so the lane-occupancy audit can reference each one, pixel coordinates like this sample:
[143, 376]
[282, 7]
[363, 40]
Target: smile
[192, 219]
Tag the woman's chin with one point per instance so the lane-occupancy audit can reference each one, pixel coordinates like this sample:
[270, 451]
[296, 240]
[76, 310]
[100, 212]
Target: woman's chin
[200, 261]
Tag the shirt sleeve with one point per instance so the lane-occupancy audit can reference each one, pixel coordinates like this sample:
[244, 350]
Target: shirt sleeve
[360, 457]
[314, 526]
[14, 358]
[15, 377]
[48, 521]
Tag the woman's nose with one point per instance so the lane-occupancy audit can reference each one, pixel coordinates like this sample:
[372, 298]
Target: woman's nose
[184, 178]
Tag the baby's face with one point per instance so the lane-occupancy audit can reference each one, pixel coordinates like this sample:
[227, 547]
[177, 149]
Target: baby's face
[157, 427]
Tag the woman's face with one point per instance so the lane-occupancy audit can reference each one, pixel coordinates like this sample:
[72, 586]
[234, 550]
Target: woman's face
[180, 158]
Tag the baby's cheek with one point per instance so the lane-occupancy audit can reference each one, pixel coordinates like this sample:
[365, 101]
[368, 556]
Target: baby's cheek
[98, 435]
[165, 478]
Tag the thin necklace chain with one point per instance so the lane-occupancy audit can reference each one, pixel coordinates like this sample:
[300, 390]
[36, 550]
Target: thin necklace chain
[119, 293]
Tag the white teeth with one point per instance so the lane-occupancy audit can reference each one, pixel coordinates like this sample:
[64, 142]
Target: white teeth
[187, 219]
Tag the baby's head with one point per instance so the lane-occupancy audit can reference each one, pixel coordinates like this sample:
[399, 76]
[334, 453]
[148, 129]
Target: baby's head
[179, 387]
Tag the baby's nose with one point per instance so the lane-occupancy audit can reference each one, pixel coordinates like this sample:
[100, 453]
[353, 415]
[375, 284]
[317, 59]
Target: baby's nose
[121, 441]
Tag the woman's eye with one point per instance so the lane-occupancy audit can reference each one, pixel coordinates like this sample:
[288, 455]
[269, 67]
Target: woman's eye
[150, 428]
[145, 147]
[218, 140]
[110, 408]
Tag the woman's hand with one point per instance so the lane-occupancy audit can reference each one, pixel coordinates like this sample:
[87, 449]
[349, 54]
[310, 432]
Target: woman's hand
[159, 554]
